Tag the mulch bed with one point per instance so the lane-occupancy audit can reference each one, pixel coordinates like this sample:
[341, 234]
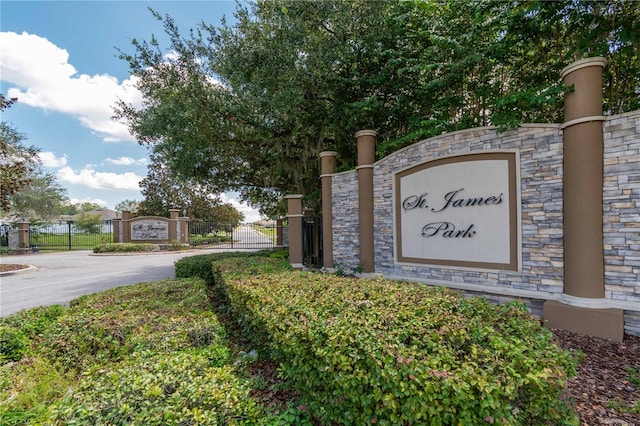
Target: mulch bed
[12, 267]
[601, 392]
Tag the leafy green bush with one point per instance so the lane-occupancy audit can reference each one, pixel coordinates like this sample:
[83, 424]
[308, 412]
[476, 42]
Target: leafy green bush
[17, 330]
[376, 351]
[125, 248]
[151, 353]
[162, 317]
[13, 344]
[201, 265]
[176, 245]
[174, 389]
[198, 240]
[34, 322]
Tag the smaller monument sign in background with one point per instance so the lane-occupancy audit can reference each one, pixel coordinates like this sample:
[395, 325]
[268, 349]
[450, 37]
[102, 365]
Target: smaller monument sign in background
[149, 230]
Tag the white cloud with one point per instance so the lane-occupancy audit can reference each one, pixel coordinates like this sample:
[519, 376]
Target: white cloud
[44, 78]
[250, 214]
[98, 201]
[49, 159]
[126, 161]
[100, 180]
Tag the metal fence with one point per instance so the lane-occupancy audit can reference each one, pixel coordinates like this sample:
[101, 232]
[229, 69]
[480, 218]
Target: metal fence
[5, 228]
[69, 236]
[312, 241]
[204, 234]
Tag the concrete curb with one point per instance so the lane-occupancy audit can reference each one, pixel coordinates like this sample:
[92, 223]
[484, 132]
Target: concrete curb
[29, 268]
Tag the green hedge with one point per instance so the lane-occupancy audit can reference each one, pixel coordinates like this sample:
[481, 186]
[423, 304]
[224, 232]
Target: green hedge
[146, 354]
[374, 351]
[201, 265]
[125, 248]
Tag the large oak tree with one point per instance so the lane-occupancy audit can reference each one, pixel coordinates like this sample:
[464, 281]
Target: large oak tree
[249, 106]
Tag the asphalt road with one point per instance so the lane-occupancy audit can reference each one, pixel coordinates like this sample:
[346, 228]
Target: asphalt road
[59, 278]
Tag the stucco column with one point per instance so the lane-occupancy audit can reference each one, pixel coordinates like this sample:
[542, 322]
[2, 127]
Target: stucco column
[173, 224]
[366, 143]
[185, 230]
[328, 161]
[126, 226]
[583, 169]
[117, 228]
[23, 238]
[584, 285]
[294, 217]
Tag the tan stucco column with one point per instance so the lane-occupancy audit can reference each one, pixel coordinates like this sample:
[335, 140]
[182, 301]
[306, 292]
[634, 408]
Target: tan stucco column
[294, 217]
[583, 169]
[582, 207]
[117, 227]
[328, 161]
[183, 230]
[23, 238]
[126, 226]
[173, 224]
[366, 142]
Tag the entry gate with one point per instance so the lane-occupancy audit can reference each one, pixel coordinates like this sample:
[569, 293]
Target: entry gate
[69, 236]
[203, 234]
[312, 241]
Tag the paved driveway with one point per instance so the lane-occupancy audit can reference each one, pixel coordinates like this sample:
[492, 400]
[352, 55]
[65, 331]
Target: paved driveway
[59, 278]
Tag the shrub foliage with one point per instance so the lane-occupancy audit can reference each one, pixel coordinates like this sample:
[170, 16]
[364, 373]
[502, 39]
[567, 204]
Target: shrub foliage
[374, 351]
[148, 354]
[125, 248]
[356, 351]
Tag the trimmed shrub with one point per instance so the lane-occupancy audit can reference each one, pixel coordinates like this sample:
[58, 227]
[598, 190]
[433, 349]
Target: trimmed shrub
[125, 248]
[35, 321]
[376, 351]
[162, 317]
[13, 344]
[201, 265]
[176, 389]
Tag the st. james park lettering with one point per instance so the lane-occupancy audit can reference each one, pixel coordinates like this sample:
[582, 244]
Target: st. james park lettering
[452, 199]
[447, 230]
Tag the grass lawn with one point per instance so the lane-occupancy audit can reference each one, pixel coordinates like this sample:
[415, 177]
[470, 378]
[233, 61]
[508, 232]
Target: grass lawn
[61, 242]
[271, 232]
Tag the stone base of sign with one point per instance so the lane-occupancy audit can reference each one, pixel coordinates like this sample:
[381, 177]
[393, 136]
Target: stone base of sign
[605, 323]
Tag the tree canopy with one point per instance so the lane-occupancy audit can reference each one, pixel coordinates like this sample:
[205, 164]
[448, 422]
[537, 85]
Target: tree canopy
[26, 191]
[17, 161]
[249, 106]
[163, 190]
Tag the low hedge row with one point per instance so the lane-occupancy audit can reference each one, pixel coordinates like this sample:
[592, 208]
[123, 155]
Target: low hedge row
[201, 265]
[125, 248]
[375, 351]
[147, 354]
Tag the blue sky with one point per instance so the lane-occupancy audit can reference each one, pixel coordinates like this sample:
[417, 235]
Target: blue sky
[59, 59]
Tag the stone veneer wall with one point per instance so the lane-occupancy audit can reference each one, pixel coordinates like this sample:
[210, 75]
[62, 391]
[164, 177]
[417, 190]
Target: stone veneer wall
[621, 205]
[540, 149]
[346, 244]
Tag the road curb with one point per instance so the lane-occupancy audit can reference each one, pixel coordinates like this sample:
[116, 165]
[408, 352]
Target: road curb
[29, 268]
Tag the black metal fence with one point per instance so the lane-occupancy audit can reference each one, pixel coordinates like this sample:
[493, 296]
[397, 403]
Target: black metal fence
[312, 241]
[4, 237]
[203, 234]
[69, 236]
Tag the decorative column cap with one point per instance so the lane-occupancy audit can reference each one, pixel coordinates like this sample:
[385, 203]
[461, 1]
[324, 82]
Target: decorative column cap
[293, 196]
[328, 154]
[597, 61]
[366, 133]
